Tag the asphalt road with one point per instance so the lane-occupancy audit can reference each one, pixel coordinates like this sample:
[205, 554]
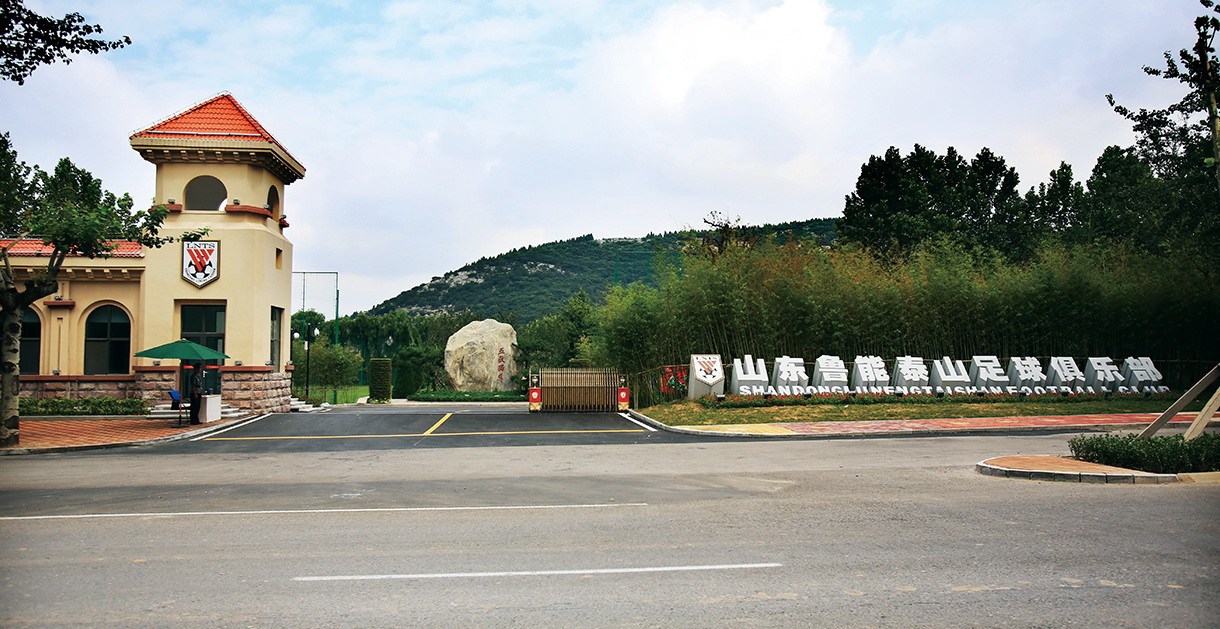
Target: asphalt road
[609, 529]
[426, 426]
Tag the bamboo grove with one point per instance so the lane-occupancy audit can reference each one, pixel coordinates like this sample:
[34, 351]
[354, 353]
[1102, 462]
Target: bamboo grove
[805, 300]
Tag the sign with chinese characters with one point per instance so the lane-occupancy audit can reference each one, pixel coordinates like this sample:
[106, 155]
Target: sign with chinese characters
[201, 262]
[913, 375]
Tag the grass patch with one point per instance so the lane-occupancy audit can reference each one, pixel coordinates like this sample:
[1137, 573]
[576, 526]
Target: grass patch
[332, 395]
[688, 413]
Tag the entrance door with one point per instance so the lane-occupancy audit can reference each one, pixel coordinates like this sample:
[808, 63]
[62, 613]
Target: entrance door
[204, 324]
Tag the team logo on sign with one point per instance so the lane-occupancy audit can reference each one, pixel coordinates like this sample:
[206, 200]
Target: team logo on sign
[201, 262]
[707, 368]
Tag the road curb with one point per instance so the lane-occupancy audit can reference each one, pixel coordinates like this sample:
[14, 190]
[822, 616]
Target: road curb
[689, 430]
[1099, 478]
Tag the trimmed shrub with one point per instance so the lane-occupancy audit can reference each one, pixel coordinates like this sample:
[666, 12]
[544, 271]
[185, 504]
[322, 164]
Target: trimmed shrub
[381, 380]
[1169, 454]
[414, 367]
[31, 407]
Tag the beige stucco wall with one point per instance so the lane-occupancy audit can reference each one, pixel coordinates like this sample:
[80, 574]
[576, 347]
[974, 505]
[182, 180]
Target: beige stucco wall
[255, 275]
[84, 286]
[250, 283]
[247, 183]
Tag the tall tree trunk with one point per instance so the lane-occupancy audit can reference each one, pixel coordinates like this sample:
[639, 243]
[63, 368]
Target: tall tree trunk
[13, 303]
[10, 384]
[1214, 122]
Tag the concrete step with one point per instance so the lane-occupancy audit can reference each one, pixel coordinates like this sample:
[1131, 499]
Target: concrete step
[164, 411]
[299, 406]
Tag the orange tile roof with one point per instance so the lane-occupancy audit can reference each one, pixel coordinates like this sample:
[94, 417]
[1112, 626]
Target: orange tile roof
[36, 247]
[218, 118]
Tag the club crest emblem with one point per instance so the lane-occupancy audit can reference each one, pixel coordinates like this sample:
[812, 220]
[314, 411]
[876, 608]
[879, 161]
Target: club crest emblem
[707, 368]
[201, 262]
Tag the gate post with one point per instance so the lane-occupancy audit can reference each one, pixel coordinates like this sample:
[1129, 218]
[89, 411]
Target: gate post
[624, 394]
[535, 394]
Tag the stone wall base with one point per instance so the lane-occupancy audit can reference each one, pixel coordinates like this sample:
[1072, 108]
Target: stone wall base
[257, 392]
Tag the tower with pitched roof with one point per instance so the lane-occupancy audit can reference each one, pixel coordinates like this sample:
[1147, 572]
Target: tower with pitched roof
[219, 169]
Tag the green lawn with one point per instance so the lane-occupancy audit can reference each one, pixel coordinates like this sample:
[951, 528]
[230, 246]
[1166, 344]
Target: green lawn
[686, 413]
[332, 395]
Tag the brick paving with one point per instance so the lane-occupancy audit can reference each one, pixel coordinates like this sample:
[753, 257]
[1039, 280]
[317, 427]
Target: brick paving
[1058, 464]
[39, 433]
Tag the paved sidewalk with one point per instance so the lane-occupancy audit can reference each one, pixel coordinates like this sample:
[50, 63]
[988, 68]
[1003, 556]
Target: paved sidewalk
[60, 434]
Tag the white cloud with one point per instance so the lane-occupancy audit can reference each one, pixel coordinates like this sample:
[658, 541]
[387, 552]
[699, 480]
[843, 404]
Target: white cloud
[438, 132]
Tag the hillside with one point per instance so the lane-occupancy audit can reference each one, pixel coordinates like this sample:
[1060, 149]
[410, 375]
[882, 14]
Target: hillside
[534, 281]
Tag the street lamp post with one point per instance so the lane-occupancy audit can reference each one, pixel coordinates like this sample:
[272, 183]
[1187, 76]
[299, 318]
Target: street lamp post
[296, 336]
[316, 332]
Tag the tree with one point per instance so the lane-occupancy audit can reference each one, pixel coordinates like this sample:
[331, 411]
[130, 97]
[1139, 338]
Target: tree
[900, 202]
[726, 234]
[29, 40]
[70, 212]
[555, 340]
[326, 365]
[1181, 143]
[306, 321]
[1165, 133]
[1125, 202]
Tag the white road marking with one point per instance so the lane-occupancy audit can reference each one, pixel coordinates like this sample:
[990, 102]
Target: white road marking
[238, 425]
[83, 516]
[538, 573]
[636, 421]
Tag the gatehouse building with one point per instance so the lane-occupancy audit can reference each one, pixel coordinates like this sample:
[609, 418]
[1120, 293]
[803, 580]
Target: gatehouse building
[216, 168]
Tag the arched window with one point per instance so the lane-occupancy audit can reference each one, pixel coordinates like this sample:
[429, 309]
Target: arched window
[31, 343]
[107, 341]
[205, 193]
[273, 201]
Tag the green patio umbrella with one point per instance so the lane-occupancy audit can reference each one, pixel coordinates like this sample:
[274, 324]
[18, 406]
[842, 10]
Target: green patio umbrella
[182, 349]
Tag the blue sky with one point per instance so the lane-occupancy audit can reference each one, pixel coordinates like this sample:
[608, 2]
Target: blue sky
[437, 132]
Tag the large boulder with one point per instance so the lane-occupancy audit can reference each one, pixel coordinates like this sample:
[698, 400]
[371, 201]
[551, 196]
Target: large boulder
[479, 357]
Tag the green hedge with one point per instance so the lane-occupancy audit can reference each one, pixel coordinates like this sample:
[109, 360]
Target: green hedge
[381, 380]
[1160, 455]
[468, 396]
[30, 407]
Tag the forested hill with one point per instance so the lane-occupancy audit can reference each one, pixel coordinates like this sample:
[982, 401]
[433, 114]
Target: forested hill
[535, 281]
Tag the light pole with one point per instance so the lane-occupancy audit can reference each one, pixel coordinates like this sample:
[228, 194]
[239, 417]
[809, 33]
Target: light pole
[296, 336]
[315, 334]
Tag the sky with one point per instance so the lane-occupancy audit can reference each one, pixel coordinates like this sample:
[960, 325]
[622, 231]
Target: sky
[438, 132]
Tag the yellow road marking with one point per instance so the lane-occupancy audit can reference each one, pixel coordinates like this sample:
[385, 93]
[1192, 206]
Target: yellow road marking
[441, 434]
[438, 424]
[535, 432]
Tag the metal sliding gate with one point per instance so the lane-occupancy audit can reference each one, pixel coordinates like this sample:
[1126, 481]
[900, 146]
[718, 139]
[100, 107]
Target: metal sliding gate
[593, 390]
